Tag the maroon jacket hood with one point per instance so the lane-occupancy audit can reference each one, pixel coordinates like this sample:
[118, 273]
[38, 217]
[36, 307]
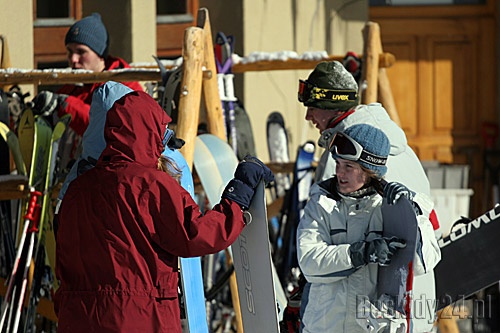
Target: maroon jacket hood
[134, 130]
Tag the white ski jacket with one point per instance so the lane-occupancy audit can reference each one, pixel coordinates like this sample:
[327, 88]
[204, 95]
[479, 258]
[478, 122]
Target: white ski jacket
[331, 222]
[403, 166]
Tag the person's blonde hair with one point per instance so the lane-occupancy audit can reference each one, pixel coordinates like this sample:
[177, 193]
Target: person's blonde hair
[169, 166]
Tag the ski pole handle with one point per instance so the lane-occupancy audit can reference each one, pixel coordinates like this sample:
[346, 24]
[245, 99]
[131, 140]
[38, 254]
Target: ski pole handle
[222, 90]
[229, 85]
[32, 205]
[33, 211]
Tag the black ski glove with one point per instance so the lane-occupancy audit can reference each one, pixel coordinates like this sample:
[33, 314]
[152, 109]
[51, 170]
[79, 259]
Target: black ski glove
[248, 174]
[379, 250]
[251, 170]
[393, 191]
[46, 102]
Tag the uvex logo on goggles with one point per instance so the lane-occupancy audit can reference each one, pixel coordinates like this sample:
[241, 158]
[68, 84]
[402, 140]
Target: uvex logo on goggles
[345, 147]
[308, 93]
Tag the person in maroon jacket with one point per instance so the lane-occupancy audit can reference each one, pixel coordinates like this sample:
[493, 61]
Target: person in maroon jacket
[87, 46]
[124, 223]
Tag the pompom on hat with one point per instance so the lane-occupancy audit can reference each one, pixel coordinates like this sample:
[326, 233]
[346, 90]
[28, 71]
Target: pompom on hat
[330, 86]
[374, 143]
[90, 31]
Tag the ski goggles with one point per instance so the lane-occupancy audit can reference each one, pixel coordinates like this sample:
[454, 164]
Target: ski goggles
[345, 147]
[167, 136]
[308, 93]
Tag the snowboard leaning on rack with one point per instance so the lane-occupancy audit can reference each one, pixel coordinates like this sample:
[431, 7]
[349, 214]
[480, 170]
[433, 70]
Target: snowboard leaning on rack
[258, 284]
[469, 258]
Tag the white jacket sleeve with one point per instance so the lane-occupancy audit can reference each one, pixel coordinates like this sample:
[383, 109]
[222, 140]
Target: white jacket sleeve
[428, 252]
[319, 259]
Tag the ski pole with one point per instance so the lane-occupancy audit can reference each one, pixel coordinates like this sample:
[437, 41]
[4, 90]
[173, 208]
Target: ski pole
[28, 218]
[229, 88]
[33, 215]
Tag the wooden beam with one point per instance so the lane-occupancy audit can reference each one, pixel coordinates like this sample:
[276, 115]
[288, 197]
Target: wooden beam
[13, 187]
[57, 77]
[213, 104]
[384, 60]
[191, 85]
[152, 73]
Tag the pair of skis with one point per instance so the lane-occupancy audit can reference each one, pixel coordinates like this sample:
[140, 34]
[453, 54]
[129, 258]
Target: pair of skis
[225, 81]
[12, 306]
[239, 131]
[32, 151]
[295, 197]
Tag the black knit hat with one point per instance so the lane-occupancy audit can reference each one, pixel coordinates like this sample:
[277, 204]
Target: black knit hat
[90, 31]
[332, 76]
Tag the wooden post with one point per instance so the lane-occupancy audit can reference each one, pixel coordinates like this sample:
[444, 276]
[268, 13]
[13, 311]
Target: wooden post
[4, 58]
[216, 126]
[378, 87]
[384, 88]
[385, 96]
[370, 65]
[190, 97]
[211, 95]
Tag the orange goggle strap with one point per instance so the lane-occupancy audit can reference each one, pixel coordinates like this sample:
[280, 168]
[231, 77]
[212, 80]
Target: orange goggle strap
[308, 93]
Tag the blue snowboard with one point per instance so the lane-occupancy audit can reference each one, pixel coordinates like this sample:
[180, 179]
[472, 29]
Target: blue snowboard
[191, 276]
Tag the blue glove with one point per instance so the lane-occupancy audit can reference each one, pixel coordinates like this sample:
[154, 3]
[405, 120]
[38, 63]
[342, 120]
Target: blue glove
[46, 102]
[393, 191]
[248, 174]
[379, 250]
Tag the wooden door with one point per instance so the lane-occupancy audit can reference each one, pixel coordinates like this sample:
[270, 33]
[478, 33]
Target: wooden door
[444, 81]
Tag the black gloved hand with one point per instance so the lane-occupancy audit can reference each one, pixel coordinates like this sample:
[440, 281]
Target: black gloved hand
[251, 170]
[393, 191]
[379, 250]
[248, 174]
[46, 102]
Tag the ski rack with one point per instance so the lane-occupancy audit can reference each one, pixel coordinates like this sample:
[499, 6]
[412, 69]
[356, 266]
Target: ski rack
[199, 78]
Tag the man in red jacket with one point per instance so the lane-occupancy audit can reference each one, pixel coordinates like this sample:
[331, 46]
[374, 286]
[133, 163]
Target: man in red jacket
[87, 45]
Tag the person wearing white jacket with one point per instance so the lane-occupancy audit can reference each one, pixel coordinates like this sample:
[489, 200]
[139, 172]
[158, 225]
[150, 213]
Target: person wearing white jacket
[330, 95]
[339, 242]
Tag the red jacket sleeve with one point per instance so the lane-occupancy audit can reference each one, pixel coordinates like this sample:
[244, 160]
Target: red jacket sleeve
[79, 111]
[184, 231]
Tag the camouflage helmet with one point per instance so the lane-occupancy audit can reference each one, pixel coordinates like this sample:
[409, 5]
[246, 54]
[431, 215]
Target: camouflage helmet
[329, 86]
